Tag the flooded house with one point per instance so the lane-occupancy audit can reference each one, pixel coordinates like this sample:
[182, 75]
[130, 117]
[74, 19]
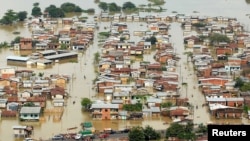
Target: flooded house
[179, 112]
[105, 111]
[17, 60]
[222, 111]
[30, 113]
[25, 44]
[22, 131]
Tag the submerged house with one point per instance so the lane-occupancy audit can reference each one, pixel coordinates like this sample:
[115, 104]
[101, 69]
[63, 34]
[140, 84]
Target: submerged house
[30, 113]
[22, 131]
[104, 111]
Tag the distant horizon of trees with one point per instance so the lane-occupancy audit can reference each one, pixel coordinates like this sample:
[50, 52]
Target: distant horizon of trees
[53, 11]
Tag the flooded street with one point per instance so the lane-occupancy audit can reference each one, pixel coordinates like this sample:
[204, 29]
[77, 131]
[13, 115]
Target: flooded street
[79, 87]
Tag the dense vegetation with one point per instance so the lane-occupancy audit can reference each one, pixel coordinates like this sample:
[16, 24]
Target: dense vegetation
[10, 17]
[53, 11]
[142, 134]
[132, 107]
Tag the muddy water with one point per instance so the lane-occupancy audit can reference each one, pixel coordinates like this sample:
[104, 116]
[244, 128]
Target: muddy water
[77, 88]
[80, 87]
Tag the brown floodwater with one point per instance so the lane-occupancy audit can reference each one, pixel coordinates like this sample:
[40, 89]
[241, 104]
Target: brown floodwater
[80, 87]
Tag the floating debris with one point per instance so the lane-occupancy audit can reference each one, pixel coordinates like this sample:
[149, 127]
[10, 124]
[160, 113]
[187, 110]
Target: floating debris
[16, 32]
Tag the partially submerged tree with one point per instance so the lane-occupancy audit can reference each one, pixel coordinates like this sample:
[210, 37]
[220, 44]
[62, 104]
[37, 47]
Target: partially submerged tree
[103, 6]
[9, 17]
[86, 103]
[22, 15]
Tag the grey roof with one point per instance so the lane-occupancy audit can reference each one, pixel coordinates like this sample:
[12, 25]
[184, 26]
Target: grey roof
[117, 101]
[19, 127]
[161, 94]
[216, 99]
[58, 100]
[3, 100]
[104, 105]
[108, 90]
[44, 61]
[152, 109]
[122, 93]
[154, 100]
[47, 51]
[20, 58]
[235, 99]
[27, 110]
[51, 57]
[123, 113]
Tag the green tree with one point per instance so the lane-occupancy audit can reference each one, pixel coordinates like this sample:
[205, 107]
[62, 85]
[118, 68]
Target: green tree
[36, 11]
[47, 9]
[40, 74]
[90, 10]
[136, 134]
[68, 7]
[150, 133]
[166, 105]
[216, 38]
[152, 39]
[29, 104]
[86, 102]
[56, 13]
[181, 131]
[238, 82]
[22, 15]
[63, 46]
[128, 6]
[78, 9]
[202, 128]
[122, 39]
[97, 57]
[103, 6]
[132, 107]
[16, 40]
[105, 34]
[245, 87]
[9, 17]
[113, 7]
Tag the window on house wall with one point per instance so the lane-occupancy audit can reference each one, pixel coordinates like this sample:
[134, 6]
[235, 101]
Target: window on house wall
[106, 110]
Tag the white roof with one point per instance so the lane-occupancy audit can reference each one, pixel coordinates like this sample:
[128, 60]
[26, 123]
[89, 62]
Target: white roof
[217, 106]
[104, 105]
[30, 110]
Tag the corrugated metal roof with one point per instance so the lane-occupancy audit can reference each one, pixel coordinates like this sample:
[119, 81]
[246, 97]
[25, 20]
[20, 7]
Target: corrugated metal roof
[103, 105]
[17, 58]
[57, 56]
[30, 110]
[47, 51]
